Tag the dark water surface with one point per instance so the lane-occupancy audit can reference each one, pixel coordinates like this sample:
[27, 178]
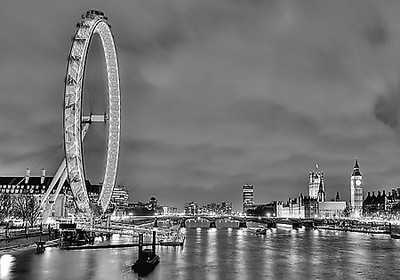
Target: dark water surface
[225, 254]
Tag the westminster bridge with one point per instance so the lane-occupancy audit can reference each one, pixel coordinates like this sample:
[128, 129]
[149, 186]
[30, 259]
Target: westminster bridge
[212, 221]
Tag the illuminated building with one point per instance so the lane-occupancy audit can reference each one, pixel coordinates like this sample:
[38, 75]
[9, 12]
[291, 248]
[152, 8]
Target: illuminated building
[166, 210]
[292, 208]
[267, 210]
[356, 191]
[37, 187]
[248, 197]
[153, 202]
[216, 209]
[375, 203]
[191, 208]
[331, 209]
[316, 184]
[321, 192]
[393, 201]
[120, 197]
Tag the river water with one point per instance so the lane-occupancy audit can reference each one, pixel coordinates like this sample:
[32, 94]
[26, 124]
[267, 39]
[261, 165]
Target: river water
[282, 253]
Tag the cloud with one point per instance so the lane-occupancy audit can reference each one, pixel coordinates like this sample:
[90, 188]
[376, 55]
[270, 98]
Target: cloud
[215, 94]
[387, 109]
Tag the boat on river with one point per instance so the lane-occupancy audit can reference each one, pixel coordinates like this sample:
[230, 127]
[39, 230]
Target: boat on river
[173, 237]
[258, 230]
[176, 240]
[148, 259]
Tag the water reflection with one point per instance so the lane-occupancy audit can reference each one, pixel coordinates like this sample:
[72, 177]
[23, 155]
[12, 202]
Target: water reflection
[6, 263]
[225, 254]
[240, 267]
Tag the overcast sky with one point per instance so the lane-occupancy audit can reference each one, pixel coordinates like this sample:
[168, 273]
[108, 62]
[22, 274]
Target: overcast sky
[217, 94]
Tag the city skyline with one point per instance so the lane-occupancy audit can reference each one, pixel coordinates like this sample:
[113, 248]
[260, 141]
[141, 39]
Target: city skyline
[218, 95]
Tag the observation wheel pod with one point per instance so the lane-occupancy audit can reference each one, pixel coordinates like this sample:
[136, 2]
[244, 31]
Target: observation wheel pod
[75, 125]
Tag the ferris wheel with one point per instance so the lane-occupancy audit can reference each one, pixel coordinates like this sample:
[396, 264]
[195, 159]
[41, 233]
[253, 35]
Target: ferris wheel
[76, 124]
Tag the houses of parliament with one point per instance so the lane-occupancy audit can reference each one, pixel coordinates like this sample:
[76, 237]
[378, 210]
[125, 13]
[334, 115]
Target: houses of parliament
[315, 204]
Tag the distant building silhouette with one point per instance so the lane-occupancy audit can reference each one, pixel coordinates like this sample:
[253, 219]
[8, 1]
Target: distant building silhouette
[337, 196]
[266, 210]
[375, 203]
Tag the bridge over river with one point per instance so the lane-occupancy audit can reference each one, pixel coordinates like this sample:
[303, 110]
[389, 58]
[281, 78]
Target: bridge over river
[239, 221]
[223, 221]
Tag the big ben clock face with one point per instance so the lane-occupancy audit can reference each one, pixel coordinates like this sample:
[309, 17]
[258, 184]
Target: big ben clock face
[358, 183]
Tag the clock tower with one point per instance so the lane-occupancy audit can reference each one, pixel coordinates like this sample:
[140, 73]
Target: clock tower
[356, 191]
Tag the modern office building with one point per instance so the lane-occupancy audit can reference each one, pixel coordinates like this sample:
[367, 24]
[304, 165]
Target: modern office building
[248, 197]
[191, 208]
[225, 208]
[120, 196]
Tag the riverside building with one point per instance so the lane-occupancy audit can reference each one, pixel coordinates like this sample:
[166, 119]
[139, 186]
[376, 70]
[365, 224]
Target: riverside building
[37, 186]
[191, 208]
[356, 191]
[316, 184]
[248, 197]
[314, 205]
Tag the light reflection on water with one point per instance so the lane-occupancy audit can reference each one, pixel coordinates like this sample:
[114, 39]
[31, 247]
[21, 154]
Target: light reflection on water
[6, 263]
[224, 254]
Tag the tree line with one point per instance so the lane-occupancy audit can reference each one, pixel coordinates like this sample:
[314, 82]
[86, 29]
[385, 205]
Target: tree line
[24, 207]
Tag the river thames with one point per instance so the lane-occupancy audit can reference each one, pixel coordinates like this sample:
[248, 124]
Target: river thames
[282, 253]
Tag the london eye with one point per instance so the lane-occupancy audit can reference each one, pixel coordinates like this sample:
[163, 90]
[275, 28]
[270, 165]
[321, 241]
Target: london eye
[77, 121]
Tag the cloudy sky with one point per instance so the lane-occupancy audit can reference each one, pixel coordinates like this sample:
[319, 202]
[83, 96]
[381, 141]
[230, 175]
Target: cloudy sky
[216, 94]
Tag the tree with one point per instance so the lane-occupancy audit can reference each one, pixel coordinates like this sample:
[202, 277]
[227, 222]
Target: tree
[27, 208]
[6, 206]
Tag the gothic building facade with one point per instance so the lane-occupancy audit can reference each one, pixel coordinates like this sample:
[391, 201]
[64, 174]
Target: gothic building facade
[316, 185]
[356, 191]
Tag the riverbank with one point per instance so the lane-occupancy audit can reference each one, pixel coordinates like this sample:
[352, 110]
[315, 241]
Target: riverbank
[361, 227]
[355, 229]
[24, 241]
